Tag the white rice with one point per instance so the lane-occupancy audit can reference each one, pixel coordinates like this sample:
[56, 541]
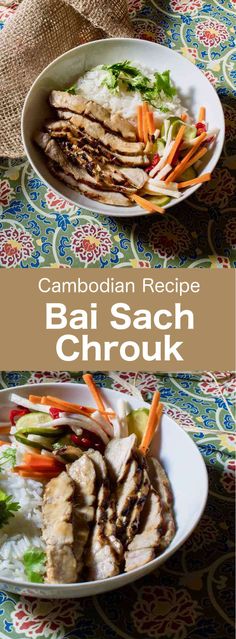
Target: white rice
[125, 102]
[23, 530]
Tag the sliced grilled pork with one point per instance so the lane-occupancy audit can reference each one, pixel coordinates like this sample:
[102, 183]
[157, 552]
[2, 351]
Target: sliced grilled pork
[58, 534]
[136, 558]
[139, 504]
[86, 183]
[54, 152]
[144, 544]
[106, 197]
[101, 558]
[78, 104]
[126, 497]
[64, 129]
[118, 455]
[108, 516]
[96, 131]
[82, 472]
[162, 485]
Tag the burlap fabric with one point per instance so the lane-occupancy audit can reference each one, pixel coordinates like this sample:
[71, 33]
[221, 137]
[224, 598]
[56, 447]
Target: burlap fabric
[37, 33]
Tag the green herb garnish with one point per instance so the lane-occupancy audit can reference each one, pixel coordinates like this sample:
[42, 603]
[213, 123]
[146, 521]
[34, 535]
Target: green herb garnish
[34, 564]
[72, 89]
[135, 80]
[8, 457]
[7, 508]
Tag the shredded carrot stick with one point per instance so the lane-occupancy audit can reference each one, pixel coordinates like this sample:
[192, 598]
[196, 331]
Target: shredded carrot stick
[184, 117]
[197, 156]
[4, 430]
[41, 476]
[145, 123]
[95, 392]
[2, 443]
[202, 114]
[180, 168]
[148, 206]
[198, 180]
[151, 423]
[68, 407]
[44, 461]
[140, 122]
[150, 122]
[176, 144]
[35, 399]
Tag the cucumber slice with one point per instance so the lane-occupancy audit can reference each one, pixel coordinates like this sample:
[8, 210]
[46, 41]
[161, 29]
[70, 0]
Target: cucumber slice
[175, 127]
[64, 441]
[189, 174]
[160, 147]
[24, 440]
[45, 442]
[160, 200]
[34, 419]
[39, 430]
[35, 441]
[136, 421]
[190, 132]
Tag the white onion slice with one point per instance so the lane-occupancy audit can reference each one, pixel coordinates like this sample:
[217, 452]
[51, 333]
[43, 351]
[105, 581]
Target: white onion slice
[162, 161]
[23, 401]
[90, 424]
[153, 189]
[107, 427]
[122, 415]
[163, 172]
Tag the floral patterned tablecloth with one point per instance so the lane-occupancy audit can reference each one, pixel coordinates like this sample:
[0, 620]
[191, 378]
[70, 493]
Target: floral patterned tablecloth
[191, 595]
[38, 228]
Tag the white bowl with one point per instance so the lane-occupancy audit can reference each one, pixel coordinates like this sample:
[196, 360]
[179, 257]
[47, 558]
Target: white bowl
[194, 88]
[182, 461]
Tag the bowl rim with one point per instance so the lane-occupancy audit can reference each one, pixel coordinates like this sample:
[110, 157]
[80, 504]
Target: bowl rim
[137, 211]
[116, 581]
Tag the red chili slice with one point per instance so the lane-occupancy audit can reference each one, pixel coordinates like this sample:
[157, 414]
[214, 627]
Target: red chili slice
[154, 162]
[201, 127]
[17, 412]
[88, 440]
[54, 412]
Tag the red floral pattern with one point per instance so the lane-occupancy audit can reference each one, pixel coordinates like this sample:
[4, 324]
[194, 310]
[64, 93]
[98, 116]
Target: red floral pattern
[169, 238]
[224, 382]
[144, 382]
[90, 241]
[40, 377]
[164, 612]
[6, 193]
[183, 6]
[134, 6]
[15, 246]
[211, 32]
[228, 477]
[56, 202]
[180, 416]
[219, 190]
[212, 79]
[222, 261]
[49, 619]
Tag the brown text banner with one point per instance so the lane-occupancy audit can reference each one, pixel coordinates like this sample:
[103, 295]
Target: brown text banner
[117, 319]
